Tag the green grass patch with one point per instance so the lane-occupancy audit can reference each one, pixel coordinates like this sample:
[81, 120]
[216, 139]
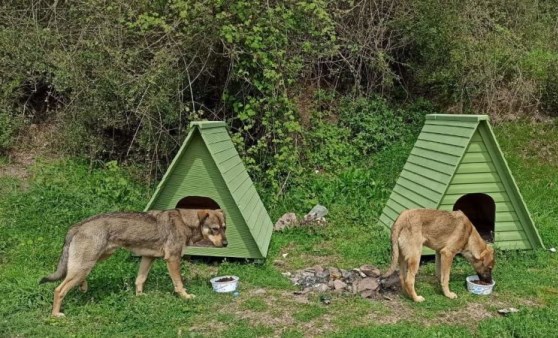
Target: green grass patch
[34, 220]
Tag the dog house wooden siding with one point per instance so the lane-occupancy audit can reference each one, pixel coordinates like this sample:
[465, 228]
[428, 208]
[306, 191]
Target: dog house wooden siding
[457, 155]
[208, 165]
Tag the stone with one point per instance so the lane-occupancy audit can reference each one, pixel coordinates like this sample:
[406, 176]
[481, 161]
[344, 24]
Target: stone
[318, 268]
[391, 282]
[360, 273]
[339, 285]
[368, 283]
[286, 221]
[334, 273]
[259, 292]
[370, 271]
[324, 275]
[321, 287]
[368, 294]
[286, 274]
[308, 273]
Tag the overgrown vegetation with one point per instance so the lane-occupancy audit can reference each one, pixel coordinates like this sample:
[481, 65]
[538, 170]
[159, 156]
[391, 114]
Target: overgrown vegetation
[34, 219]
[122, 80]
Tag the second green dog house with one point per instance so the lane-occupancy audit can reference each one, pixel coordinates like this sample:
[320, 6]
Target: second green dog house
[207, 173]
[457, 164]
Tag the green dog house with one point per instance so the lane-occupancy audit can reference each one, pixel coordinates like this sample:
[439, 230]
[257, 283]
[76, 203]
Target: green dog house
[207, 173]
[457, 164]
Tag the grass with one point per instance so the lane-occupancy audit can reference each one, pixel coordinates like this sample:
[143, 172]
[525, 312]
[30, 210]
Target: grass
[35, 216]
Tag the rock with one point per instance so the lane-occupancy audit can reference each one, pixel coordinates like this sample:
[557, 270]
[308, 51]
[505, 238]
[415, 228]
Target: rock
[308, 273]
[339, 285]
[318, 268]
[286, 221]
[334, 273]
[351, 277]
[368, 283]
[321, 287]
[324, 275]
[360, 273]
[370, 271]
[368, 294]
[317, 213]
[259, 292]
[286, 274]
[391, 282]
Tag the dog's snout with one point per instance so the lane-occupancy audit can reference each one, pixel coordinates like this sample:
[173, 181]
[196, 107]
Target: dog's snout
[485, 277]
[225, 243]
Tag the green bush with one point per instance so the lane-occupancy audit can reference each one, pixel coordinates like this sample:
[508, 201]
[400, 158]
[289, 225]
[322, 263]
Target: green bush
[481, 56]
[123, 80]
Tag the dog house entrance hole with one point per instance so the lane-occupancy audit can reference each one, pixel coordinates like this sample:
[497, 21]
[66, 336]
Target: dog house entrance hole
[197, 202]
[481, 211]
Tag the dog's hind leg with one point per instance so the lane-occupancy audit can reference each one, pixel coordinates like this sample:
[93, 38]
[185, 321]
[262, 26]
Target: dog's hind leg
[145, 266]
[72, 279]
[173, 264]
[402, 271]
[409, 283]
[446, 259]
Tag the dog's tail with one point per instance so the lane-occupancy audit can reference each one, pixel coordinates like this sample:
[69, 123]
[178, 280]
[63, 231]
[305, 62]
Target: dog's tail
[395, 230]
[62, 268]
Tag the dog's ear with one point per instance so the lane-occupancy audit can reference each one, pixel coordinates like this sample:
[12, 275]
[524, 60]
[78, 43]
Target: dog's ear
[202, 215]
[486, 255]
[222, 214]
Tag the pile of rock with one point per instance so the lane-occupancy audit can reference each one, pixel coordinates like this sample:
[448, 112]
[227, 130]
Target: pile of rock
[365, 281]
[314, 218]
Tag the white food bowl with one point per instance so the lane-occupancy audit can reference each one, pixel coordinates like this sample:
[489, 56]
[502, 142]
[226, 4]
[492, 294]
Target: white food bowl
[225, 286]
[479, 289]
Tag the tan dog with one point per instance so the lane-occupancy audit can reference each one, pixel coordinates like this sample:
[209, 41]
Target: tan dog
[150, 235]
[447, 233]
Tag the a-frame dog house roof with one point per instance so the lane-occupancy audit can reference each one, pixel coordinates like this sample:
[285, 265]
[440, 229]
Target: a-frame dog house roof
[457, 155]
[208, 165]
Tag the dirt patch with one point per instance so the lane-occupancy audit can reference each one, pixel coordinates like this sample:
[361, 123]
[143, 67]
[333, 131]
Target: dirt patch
[212, 326]
[468, 316]
[278, 315]
[395, 310]
[34, 141]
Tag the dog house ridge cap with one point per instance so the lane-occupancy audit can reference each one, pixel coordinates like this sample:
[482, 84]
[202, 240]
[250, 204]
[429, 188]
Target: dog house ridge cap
[208, 124]
[458, 117]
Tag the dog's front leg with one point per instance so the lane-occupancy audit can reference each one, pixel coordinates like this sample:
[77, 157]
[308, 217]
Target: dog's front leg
[173, 264]
[446, 260]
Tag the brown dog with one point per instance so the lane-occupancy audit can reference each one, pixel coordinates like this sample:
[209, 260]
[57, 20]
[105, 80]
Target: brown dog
[447, 233]
[150, 235]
